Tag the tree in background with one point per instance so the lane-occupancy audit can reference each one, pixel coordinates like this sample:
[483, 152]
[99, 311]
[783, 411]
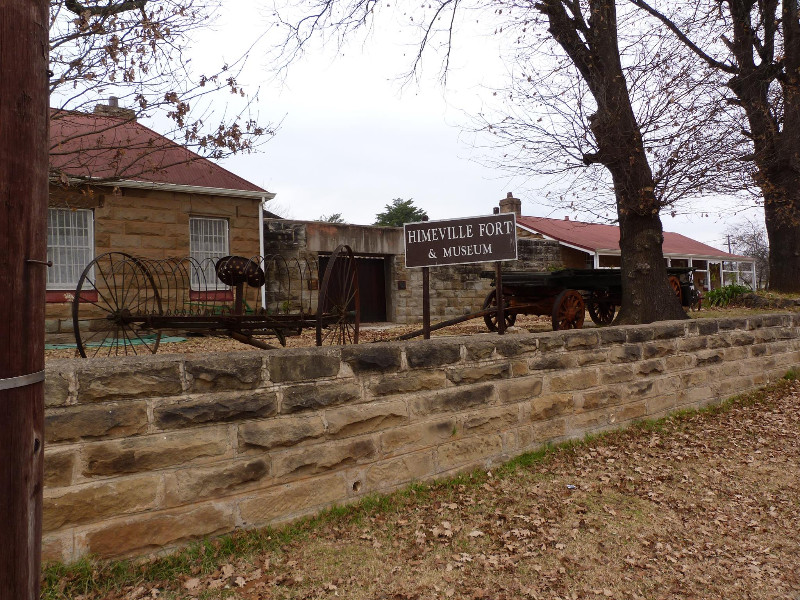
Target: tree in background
[749, 238]
[331, 218]
[399, 212]
[133, 50]
[756, 46]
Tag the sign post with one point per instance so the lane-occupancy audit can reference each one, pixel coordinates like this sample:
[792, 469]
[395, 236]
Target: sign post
[492, 238]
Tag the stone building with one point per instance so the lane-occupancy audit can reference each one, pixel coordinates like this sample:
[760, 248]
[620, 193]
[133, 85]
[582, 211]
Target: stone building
[117, 186]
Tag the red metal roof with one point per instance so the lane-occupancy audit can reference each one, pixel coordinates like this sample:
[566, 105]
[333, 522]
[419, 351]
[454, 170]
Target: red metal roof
[103, 147]
[595, 237]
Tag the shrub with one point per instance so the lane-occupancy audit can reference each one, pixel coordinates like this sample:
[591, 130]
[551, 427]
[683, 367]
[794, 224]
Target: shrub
[723, 296]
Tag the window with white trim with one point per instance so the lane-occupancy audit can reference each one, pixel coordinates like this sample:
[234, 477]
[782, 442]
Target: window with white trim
[208, 241]
[70, 245]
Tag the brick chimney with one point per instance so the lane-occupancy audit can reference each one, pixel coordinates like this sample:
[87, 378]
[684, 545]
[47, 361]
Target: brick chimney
[113, 109]
[509, 204]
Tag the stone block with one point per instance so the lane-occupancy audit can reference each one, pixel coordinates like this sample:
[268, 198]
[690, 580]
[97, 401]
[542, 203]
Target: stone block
[282, 502]
[544, 431]
[708, 357]
[612, 335]
[731, 323]
[742, 338]
[432, 353]
[152, 452]
[658, 349]
[625, 354]
[678, 363]
[572, 380]
[586, 422]
[650, 367]
[280, 433]
[365, 418]
[637, 334]
[410, 382]
[516, 345]
[616, 374]
[57, 386]
[51, 326]
[223, 373]
[59, 466]
[518, 390]
[553, 361]
[452, 400]
[479, 373]
[468, 450]
[718, 341]
[478, 350]
[735, 353]
[96, 502]
[187, 486]
[99, 381]
[661, 405]
[216, 408]
[695, 378]
[590, 357]
[303, 365]
[707, 326]
[551, 340]
[692, 344]
[594, 399]
[669, 330]
[417, 436]
[639, 388]
[87, 422]
[758, 350]
[312, 460]
[490, 420]
[549, 406]
[627, 412]
[696, 395]
[392, 473]
[150, 533]
[315, 396]
[373, 358]
[519, 368]
[57, 547]
[581, 339]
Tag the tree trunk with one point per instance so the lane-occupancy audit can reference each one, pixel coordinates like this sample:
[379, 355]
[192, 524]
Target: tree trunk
[23, 210]
[783, 231]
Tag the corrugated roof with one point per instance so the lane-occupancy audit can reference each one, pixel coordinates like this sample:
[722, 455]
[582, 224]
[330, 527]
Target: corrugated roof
[104, 147]
[596, 237]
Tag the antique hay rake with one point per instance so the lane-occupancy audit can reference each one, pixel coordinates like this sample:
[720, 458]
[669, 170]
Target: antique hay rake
[123, 303]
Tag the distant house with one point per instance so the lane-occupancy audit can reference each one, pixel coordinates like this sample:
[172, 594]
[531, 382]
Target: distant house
[596, 246]
[116, 185]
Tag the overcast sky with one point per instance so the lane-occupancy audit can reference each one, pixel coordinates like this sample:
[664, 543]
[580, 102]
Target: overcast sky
[353, 138]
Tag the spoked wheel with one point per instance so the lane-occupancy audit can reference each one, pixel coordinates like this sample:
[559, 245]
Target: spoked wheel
[601, 309]
[115, 295]
[339, 307]
[568, 310]
[675, 284]
[509, 317]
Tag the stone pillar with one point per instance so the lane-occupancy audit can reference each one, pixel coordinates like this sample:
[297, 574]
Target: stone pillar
[509, 204]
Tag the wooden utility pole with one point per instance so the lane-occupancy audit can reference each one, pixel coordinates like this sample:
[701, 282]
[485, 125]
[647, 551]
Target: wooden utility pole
[23, 226]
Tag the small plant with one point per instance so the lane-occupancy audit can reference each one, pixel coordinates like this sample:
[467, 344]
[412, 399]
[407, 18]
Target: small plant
[722, 296]
[792, 375]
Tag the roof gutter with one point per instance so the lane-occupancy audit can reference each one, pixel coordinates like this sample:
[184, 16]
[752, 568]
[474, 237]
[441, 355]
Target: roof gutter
[176, 187]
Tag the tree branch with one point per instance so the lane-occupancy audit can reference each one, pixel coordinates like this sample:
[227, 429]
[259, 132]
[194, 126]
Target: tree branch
[110, 9]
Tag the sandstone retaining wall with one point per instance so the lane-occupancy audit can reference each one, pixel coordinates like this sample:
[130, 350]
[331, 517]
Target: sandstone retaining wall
[149, 452]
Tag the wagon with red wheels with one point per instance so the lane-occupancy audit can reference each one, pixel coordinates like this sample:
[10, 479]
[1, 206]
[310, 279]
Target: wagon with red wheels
[565, 296]
[125, 304]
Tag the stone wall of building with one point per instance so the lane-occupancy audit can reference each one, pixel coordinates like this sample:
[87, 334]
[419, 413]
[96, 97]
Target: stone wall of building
[150, 224]
[149, 452]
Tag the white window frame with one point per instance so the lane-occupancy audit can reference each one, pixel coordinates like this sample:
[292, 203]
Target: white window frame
[70, 253]
[209, 238]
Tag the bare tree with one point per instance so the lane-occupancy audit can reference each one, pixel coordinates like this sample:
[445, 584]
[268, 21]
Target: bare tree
[587, 33]
[756, 45]
[134, 50]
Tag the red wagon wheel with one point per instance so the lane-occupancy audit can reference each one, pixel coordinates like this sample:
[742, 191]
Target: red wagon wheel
[509, 317]
[114, 296]
[568, 310]
[339, 307]
[601, 309]
[675, 284]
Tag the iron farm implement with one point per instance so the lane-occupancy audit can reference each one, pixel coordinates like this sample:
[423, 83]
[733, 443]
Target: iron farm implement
[123, 303]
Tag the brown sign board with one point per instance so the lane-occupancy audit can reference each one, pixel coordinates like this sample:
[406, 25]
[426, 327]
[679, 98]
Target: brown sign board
[461, 241]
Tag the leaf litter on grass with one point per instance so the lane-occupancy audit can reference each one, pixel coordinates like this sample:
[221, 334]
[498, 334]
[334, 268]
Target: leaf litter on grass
[703, 505]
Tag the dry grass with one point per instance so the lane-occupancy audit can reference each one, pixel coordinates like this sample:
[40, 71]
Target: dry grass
[701, 505]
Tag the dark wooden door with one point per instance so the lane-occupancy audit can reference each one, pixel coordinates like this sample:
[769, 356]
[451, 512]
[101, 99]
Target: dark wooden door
[371, 285]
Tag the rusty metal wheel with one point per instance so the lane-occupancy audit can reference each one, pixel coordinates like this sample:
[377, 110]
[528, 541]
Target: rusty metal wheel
[568, 310]
[675, 284]
[601, 309]
[509, 317]
[339, 306]
[115, 295]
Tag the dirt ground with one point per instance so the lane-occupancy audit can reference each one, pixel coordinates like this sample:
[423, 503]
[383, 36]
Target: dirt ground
[703, 505]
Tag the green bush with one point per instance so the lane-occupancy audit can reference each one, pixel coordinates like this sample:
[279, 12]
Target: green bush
[723, 296]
